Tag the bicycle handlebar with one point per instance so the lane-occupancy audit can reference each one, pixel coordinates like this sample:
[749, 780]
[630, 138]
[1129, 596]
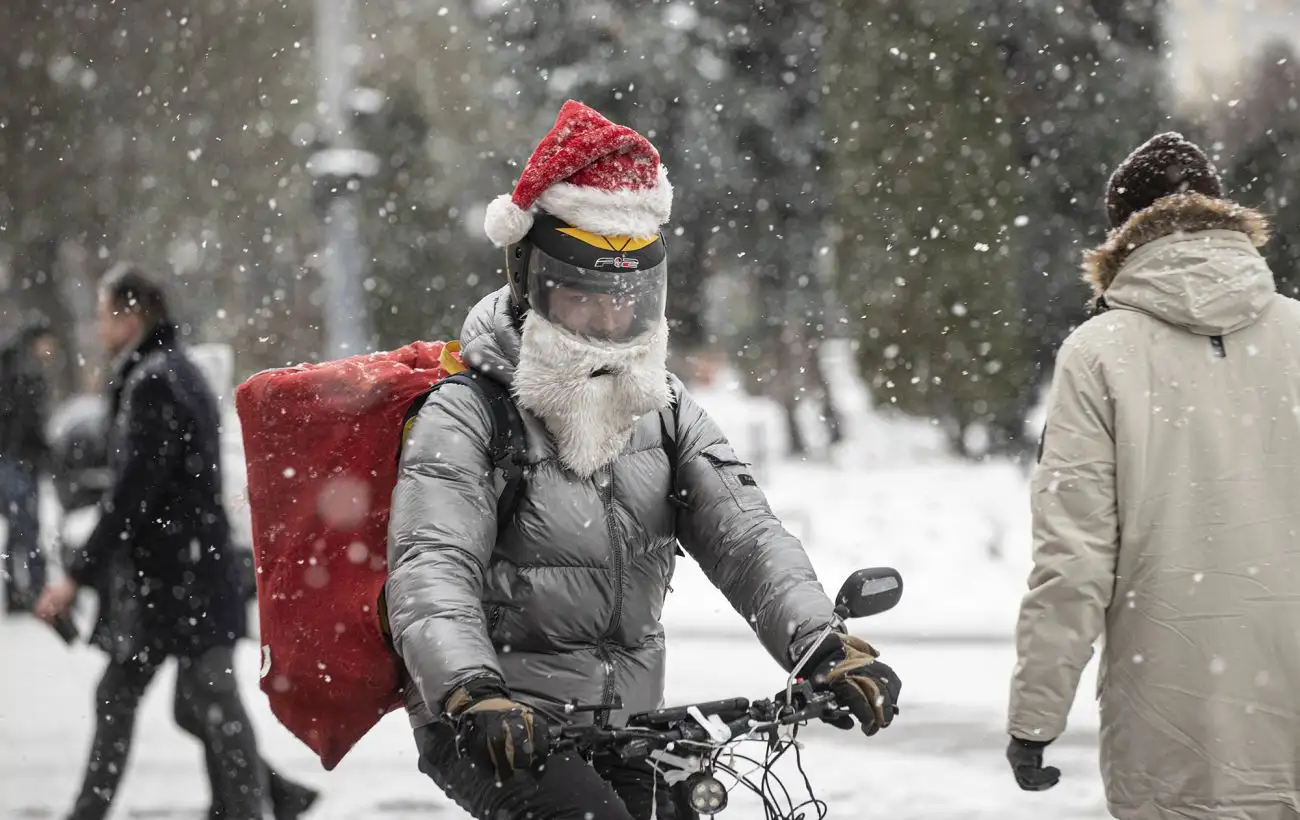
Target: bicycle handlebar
[653, 730]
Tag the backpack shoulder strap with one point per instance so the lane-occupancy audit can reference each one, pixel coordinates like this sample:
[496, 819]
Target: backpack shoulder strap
[668, 438]
[668, 418]
[509, 441]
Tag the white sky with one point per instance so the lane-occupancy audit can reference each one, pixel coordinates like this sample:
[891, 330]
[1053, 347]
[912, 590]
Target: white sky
[1210, 38]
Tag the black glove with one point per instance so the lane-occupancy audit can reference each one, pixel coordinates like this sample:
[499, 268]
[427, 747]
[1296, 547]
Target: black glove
[1026, 758]
[848, 667]
[495, 732]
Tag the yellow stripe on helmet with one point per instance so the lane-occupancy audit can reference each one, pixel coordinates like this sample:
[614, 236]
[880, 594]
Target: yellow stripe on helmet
[618, 243]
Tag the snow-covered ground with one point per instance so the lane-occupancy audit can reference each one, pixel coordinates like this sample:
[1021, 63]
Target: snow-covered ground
[888, 496]
[943, 757]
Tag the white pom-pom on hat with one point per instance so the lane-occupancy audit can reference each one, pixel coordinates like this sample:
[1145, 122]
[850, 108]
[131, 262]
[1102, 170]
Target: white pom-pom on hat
[505, 223]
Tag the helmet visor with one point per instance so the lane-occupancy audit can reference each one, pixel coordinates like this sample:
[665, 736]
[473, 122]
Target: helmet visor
[614, 300]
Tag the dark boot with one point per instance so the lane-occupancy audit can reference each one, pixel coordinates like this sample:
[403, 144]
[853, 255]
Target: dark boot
[289, 800]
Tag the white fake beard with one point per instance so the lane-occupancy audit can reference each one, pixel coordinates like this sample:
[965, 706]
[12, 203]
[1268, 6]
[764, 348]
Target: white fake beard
[591, 419]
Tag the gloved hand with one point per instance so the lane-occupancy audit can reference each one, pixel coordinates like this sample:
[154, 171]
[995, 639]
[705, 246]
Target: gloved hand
[847, 665]
[1026, 759]
[494, 731]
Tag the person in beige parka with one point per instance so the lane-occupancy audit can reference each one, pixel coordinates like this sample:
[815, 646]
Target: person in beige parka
[1166, 511]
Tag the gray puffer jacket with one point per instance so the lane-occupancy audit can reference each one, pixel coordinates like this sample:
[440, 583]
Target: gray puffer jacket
[564, 602]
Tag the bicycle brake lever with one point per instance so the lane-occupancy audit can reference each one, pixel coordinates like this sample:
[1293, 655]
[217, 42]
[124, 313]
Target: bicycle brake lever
[796, 697]
[717, 730]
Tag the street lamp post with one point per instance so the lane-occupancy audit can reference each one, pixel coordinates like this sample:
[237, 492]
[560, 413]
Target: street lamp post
[339, 167]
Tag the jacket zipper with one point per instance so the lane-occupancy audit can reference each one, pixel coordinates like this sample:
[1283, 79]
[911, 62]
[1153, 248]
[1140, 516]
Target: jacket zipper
[616, 546]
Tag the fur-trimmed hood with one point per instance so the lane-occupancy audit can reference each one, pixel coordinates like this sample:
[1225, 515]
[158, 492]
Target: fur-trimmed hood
[1190, 261]
[1180, 213]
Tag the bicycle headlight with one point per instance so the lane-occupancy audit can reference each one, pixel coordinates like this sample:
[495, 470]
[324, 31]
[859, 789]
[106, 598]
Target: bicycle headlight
[705, 793]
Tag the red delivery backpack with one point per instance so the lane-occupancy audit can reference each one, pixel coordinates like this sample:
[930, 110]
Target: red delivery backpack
[322, 443]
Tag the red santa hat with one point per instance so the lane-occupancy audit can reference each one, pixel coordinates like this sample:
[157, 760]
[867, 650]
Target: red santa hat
[593, 174]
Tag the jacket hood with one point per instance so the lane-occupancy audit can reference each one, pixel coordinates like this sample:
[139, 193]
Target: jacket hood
[489, 341]
[1189, 260]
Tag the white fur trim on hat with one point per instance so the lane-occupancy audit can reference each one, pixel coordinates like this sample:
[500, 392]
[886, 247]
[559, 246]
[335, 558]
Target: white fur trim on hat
[612, 213]
[504, 222]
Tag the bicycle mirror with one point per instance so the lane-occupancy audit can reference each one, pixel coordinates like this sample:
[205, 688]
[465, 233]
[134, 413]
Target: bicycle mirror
[869, 592]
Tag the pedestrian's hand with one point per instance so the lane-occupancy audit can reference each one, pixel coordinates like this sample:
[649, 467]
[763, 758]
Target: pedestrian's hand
[1026, 759]
[869, 688]
[55, 600]
[498, 734]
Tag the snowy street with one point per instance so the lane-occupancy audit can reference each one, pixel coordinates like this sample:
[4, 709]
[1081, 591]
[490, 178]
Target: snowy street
[942, 757]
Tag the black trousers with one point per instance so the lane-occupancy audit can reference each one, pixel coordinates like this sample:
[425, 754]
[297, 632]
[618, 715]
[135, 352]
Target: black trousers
[207, 705]
[570, 788]
[19, 502]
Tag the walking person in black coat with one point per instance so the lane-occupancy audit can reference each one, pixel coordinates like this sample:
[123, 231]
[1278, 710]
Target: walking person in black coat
[23, 453]
[161, 558]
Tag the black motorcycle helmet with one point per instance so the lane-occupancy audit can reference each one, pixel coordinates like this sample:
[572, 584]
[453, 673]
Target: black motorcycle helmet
[607, 288]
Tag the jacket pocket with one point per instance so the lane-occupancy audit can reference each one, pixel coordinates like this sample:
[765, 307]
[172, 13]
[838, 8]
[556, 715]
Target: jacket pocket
[737, 477]
[495, 611]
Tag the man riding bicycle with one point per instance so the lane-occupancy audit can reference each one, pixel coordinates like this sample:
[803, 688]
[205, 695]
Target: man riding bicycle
[501, 616]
